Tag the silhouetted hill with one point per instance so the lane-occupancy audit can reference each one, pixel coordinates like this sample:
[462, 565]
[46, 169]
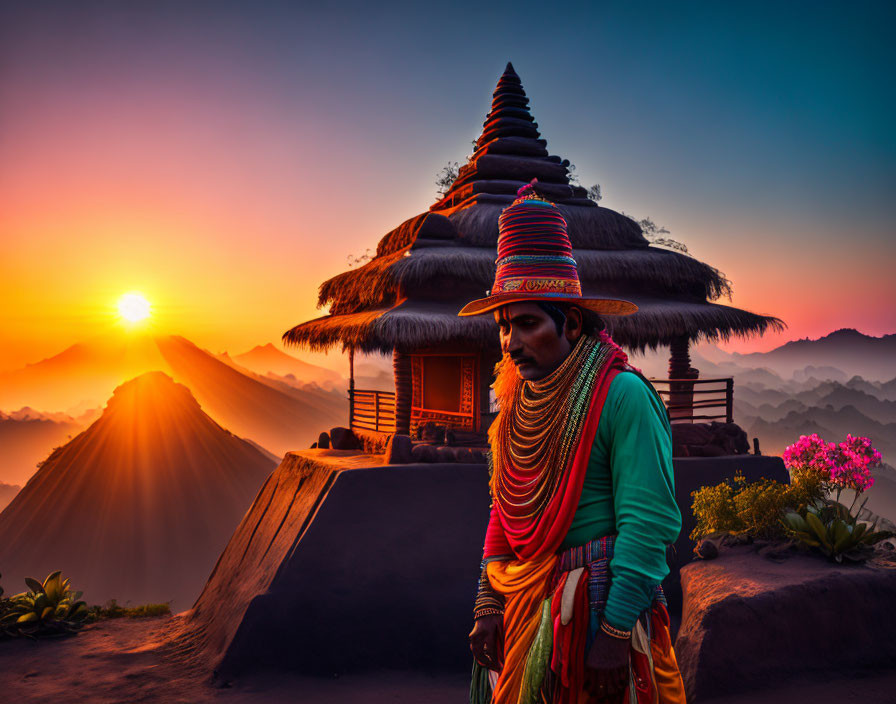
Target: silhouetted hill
[138, 506]
[279, 419]
[264, 359]
[888, 390]
[830, 423]
[7, 492]
[27, 437]
[826, 373]
[277, 415]
[847, 350]
[85, 373]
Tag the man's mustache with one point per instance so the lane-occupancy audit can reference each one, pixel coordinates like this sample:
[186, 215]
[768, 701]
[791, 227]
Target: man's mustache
[520, 359]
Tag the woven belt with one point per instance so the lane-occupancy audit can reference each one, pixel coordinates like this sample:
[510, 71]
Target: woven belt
[596, 556]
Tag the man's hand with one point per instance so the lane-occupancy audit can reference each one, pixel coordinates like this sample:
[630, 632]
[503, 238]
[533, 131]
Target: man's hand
[607, 667]
[487, 641]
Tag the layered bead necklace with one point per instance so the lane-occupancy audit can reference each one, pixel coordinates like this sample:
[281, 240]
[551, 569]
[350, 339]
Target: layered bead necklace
[539, 425]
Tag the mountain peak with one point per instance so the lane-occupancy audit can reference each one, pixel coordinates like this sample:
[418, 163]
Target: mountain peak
[153, 388]
[850, 333]
[154, 486]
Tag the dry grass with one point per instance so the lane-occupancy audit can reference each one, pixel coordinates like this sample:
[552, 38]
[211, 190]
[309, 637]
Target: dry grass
[410, 325]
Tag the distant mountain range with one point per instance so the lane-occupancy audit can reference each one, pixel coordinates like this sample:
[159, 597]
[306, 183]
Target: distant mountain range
[267, 359]
[847, 350]
[278, 414]
[139, 505]
[27, 438]
[844, 382]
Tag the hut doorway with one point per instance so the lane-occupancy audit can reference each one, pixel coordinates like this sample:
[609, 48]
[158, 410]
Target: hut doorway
[444, 389]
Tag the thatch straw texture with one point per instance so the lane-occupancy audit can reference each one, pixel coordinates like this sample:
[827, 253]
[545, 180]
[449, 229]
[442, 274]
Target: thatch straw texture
[418, 324]
[407, 326]
[381, 281]
[423, 226]
[589, 228]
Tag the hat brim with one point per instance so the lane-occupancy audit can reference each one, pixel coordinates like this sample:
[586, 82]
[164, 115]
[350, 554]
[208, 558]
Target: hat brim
[608, 306]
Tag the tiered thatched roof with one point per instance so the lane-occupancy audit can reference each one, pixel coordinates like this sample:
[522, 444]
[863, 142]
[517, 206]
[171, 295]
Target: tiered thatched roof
[428, 267]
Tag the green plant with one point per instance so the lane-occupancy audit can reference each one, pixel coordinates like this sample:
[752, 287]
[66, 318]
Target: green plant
[825, 524]
[714, 509]
[48, 607]
[753, 509]
[112, 609]
[830, 528]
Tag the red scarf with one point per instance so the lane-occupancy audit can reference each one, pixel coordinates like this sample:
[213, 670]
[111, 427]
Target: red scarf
[542, 533]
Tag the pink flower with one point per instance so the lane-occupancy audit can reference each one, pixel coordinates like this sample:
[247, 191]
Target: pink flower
[846, 464]
[809, 452]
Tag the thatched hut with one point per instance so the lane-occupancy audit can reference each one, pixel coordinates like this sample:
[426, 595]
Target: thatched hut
[405, 300]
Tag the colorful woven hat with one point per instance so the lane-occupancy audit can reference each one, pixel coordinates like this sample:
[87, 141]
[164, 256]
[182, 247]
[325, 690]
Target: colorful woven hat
[535, 260]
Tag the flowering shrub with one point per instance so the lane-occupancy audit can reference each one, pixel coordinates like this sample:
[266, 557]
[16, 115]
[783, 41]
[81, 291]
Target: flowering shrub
[827, 525]
[817, 468]
[844, 465]
[808, 457]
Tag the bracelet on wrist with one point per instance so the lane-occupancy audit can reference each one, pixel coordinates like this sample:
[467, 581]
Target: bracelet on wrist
[487, 612]
[613, 631]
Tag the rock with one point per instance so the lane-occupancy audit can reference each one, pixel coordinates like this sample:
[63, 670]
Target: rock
[313, 446]
[446, 454]
[464, 454]
[708, 440]
[344, 439]
[433, 433]
[749, 620]
[424, 453]
[707, 549]
[323, 441]
[398, 451]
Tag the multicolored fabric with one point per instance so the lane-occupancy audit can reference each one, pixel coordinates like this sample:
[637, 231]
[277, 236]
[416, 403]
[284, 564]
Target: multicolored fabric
[535, 260]
[654, 677]
[534, 251]
[596, 556]
[513, 527]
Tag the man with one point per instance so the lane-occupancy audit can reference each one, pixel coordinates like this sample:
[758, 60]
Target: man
[569, 607]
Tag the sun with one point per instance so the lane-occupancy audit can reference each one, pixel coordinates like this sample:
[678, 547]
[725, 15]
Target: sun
[133, 307]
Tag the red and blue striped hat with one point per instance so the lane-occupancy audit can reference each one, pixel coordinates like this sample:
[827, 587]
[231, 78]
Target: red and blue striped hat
[535, 260]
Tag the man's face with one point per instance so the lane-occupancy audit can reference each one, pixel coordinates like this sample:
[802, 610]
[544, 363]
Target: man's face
[529, 336]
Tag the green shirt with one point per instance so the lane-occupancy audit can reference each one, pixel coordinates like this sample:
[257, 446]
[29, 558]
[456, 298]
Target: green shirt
[629, 490]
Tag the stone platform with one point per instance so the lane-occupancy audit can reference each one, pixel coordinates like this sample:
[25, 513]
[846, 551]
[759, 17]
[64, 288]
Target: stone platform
[751, 623]
[344, 563]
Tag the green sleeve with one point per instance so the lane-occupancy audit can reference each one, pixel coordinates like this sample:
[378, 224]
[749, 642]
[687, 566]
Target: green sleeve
[635, 430]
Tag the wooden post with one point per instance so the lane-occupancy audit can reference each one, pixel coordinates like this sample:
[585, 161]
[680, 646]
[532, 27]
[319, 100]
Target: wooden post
[681, 393]
[351, 386]
[729, 400]
[401, 366]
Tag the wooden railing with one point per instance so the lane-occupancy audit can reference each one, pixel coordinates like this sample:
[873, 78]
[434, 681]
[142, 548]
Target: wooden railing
[685, 398]
[372, 410]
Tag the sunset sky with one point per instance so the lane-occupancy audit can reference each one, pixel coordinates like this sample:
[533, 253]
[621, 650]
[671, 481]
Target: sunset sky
[225, 158]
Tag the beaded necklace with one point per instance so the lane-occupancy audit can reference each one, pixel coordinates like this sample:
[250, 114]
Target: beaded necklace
[538, 426]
